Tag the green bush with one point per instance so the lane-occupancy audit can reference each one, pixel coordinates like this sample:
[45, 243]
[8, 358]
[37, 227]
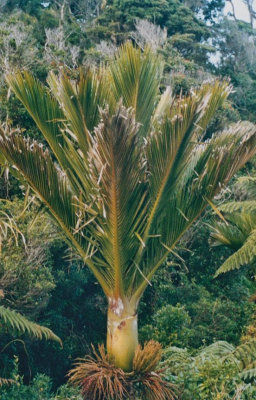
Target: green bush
[170, 326]
[217, 372]
[39, 389]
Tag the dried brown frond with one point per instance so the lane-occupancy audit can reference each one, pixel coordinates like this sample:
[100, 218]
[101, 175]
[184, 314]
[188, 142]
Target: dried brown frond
[6, 382]
[252, 298]
[148, 376]
[146, 358]
[154, 387]
[98, 378]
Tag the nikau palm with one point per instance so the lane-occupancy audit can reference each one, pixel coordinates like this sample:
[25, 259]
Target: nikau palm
[128, 173]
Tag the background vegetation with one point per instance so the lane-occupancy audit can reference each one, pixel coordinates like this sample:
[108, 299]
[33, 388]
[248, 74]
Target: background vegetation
[186, 309]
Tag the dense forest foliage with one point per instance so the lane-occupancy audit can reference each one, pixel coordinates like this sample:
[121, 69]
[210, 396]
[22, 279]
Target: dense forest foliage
[206, 323]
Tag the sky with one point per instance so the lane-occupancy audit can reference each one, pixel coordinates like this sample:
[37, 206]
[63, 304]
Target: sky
[241, 10]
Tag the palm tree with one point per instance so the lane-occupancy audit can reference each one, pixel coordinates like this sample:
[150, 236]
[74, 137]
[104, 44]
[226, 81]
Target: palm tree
[237, 230]
[128, 172]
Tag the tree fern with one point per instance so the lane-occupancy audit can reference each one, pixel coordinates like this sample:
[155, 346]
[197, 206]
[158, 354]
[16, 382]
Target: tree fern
[17, 323]
[239, 229]
[13, 321]
[239, 362]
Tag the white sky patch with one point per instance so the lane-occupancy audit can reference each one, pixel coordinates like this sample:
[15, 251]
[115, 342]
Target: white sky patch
[241, 10]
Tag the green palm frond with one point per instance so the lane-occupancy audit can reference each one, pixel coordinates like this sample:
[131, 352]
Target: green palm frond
[19, 324]
[80, 102]
[42, 107]
[172, 146]
[134, 76]
[49, 118]
[121, 201]
[117, 160]
[216, 161]
[52, 186]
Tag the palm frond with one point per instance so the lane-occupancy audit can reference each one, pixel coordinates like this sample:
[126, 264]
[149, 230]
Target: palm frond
[134, 77]
[217, 160]
[51, 121]
[81, 102]
[213, 96]
[19, 324]
[164, 104]
[170, 146]
[117, 160]
[42, 107]
[52, 187]
[124, 202]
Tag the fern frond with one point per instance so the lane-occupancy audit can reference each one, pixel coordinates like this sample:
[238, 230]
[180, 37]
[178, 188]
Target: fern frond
[218, 349]
[244, 256]
[248, 374]
[246, 185]
[246, 206]
[18, 323]
[246, 353]
[228, 235]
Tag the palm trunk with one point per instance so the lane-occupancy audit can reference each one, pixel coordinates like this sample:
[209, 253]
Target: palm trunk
[122, 334]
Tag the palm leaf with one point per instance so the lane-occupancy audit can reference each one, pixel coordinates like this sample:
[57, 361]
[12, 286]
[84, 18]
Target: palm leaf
[239, 234]
[18, 323]
[80, 102]
[171, 145]
[216, 161]
[42, 107]
[117, 159]
[50, 119]
[135, 77]
[51, 185]
[122, 202]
